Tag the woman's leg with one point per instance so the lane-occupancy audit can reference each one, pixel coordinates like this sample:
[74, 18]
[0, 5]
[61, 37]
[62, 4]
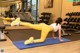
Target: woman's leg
[6, 18]
[45, 29]
[33, 26]
[44, 33]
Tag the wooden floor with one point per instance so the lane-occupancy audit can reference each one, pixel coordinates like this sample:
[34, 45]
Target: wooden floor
[69, 47]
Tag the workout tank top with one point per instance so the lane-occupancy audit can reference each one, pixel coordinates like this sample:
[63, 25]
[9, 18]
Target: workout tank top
[56, 27]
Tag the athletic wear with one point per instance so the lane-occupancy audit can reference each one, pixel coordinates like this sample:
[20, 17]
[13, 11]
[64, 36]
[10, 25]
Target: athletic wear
[56, 27]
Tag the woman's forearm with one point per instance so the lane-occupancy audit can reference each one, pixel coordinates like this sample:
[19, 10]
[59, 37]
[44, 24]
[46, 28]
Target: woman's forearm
[59, 33]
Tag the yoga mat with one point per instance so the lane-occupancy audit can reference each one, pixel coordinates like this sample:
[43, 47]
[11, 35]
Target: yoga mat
[48, 41]
[16, 36]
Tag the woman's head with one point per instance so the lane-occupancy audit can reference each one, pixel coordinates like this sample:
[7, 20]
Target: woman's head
[59, 20]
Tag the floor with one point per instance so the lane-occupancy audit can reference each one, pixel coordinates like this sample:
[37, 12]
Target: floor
[69, 47]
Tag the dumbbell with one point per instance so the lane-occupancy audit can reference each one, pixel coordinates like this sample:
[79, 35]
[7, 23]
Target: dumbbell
[66, 34]
[78, 26]
[74, 19]
[79, 14]
[78, 20]
[76, 13]
[65, 19]
[67, 26]
[70, 20]
[67, 14]
[63, 25]
[71, 25]
[70, 14]
[75, 26]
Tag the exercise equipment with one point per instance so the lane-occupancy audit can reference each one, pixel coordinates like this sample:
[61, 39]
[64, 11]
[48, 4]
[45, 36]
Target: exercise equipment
[78, 20]
[45, 17]
[73, 14]
[75, 19]
[25, 16]
[2, 26]
[48, 41]
[66, 34]
[78, 32]
[73, 22]
[66, 19]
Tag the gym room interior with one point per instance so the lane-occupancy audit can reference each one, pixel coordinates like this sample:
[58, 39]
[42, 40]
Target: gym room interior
[17, 37]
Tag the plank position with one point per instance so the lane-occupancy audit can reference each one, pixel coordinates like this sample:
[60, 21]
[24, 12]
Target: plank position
[45, 29]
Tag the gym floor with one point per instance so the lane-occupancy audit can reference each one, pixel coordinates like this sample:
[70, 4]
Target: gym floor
[68, 47]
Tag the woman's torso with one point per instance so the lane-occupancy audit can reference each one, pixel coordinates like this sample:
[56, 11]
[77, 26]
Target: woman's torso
[56, 27]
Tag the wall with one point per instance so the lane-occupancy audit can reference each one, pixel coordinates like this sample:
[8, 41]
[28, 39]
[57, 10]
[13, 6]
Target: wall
[68, 7]
[56, 10]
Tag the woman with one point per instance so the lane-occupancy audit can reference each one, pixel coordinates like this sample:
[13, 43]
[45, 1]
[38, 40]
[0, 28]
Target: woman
[45, 29]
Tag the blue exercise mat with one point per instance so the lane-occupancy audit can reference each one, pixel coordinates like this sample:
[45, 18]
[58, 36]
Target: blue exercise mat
[48, 41]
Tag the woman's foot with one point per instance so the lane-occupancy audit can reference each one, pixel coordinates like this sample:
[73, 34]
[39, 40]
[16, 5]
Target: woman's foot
[29, 41]
[15, 22]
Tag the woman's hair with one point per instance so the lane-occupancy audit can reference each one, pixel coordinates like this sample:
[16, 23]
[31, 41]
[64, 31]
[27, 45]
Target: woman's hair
[58, 21]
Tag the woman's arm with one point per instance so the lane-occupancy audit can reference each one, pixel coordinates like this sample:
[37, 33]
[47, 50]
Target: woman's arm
[53, 35]
[60, 34]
